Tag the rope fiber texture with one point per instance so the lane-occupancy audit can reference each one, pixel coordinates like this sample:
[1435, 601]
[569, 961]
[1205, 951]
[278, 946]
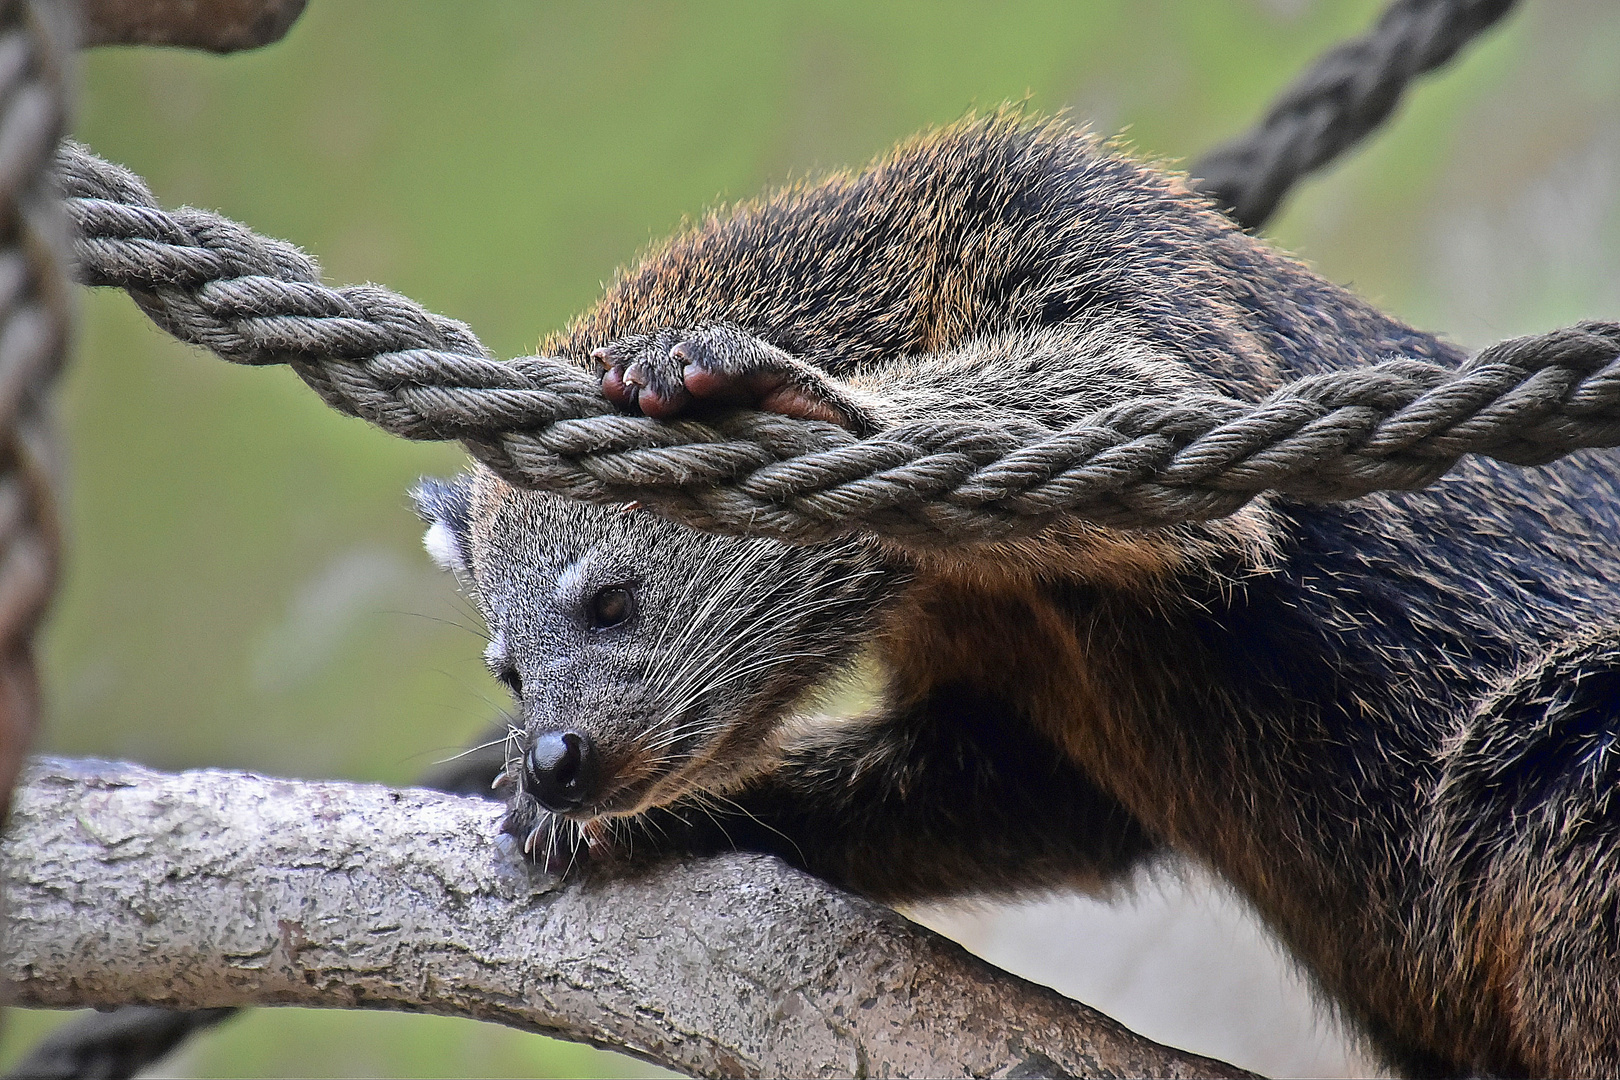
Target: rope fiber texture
[543, 423]
[36, 309]
[1350, 90]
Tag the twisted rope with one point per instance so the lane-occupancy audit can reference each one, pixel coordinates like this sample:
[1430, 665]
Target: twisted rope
[542, 423]
[114, 1044]
[35, 319]
[1344, 95]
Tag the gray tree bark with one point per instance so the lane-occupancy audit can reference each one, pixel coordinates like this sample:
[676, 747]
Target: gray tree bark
[214, 888]
[220, 26]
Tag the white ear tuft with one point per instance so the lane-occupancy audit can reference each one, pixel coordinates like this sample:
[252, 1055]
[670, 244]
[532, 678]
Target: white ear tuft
[444, 548]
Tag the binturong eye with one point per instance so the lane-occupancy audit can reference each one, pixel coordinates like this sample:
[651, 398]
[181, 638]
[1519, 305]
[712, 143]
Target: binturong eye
[514, 682]
[610, 607]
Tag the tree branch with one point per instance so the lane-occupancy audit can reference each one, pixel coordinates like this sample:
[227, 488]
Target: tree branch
[220, 26]
[209, 889]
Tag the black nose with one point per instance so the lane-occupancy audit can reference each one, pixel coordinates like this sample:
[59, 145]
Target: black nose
[560, 770]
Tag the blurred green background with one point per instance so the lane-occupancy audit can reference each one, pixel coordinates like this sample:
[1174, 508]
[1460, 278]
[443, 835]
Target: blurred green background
[245, 586]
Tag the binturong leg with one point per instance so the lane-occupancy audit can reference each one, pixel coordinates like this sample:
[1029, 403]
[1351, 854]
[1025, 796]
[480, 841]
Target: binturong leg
[953, 796]
[1526, 848]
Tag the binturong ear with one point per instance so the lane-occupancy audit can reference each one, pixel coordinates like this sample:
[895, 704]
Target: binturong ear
[444, 505]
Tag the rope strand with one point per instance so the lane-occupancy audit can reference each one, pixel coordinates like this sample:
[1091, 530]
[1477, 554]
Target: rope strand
[543, 423]
[1348, 92]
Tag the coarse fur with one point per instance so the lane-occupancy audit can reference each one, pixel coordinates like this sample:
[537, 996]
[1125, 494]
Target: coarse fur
[1390, 723]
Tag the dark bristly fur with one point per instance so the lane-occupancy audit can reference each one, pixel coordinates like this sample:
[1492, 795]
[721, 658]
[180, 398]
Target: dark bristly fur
[1390, 723]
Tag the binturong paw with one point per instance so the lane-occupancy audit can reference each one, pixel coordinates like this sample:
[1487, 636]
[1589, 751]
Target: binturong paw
[673, 372]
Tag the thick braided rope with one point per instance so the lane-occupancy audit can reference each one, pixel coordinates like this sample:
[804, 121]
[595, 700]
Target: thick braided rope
[1346, 93]
[36, 41]
[543, 423]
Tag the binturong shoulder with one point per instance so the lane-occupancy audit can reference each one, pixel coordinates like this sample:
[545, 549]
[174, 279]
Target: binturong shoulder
[991, 226]
[1278, 695]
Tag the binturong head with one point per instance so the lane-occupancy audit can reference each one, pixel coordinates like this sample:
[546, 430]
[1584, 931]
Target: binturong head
[649, 662]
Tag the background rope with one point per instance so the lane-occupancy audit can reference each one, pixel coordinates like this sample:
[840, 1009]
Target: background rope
[113, 1044]
[36, 42]
[543, 423]
[1350, 90]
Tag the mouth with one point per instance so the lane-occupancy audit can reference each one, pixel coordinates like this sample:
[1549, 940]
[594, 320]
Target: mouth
[623, 800]
[654, 770]
[556, 843]
[633, 789]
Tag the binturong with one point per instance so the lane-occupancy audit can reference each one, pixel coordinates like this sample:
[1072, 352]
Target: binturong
[1390, 723]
